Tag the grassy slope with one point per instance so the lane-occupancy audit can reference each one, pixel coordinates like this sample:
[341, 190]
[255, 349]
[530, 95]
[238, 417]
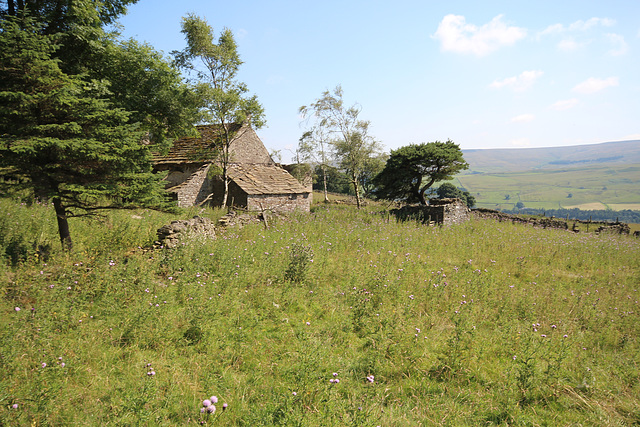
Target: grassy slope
[609, 186]
[459, 326]
[534, 177]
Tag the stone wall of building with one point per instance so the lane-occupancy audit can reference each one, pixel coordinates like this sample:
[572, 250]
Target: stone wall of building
[303, 173]
[281, 203]
[195, 189]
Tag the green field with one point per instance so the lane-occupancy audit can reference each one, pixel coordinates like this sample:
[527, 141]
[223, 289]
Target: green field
[334, 318]
[595, 187]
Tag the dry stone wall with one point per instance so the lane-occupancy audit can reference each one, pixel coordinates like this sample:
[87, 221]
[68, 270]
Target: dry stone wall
[178, 232]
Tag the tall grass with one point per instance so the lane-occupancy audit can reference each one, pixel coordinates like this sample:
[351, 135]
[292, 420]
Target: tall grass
[339, 317]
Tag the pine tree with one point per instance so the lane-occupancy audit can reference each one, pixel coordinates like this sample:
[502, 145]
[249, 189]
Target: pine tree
[61, 138]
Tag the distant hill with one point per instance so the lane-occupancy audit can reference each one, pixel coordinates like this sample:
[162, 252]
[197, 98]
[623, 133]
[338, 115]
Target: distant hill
[590, 177]
[529, 159]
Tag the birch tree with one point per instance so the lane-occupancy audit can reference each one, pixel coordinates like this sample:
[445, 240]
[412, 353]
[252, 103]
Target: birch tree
[348, 134]
[225, 99]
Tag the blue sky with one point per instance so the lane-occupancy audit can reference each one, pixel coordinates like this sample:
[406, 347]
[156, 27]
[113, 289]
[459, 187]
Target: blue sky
[485, 74]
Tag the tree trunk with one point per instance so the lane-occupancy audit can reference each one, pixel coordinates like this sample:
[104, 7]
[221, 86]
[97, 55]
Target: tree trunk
[225, 196]
[12, 8]
[63, 225]
[356, 187]
[421, 198]
[324, 179]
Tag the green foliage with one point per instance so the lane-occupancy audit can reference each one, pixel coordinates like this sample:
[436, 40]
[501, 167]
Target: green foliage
[485, 322]
[337, 181]
[153, 91]
[448, 190]
[60, 138]
[413, 169]
[301, 257]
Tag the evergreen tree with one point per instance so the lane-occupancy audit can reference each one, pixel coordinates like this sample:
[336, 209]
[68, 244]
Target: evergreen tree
[61, 137]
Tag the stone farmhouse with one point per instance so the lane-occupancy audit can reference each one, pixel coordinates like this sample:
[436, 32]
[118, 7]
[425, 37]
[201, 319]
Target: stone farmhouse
[257, 183]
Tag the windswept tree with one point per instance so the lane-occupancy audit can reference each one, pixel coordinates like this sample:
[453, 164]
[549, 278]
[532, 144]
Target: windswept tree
[348, 135]
[225, 100]
[61, 137]
[413, 169]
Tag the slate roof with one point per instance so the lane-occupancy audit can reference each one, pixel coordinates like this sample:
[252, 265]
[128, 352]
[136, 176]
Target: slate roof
[255, 179]
[192, 149]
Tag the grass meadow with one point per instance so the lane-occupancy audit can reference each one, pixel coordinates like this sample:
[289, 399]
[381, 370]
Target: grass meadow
[335, 318]
[591, 187]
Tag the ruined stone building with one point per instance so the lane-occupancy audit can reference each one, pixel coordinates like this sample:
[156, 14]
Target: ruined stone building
[438, 211]
[256, 182]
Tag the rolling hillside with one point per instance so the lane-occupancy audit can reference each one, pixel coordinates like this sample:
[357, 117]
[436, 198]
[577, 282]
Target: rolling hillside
[598, 176]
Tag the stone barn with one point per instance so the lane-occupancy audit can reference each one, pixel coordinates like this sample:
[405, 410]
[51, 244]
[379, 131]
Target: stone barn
[256, 181]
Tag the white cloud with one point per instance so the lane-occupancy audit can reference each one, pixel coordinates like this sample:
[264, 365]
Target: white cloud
[569, 44]
[619, 45]
[577, 26]
[590, 23]
[518, 83]
[593, 85]
[523, 118]
[565, 104]
[456, 35]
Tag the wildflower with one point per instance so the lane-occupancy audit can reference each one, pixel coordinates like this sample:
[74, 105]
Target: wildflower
[308, 323]
[211, 409]
[44, 365]
[206, 403]
[17, 309]
[411, 296]
[214, 399]
[224, 405]
[371, 378]
[294, 393]
[335, 374]
[14, 406]
[543, 335]
[565, 336]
